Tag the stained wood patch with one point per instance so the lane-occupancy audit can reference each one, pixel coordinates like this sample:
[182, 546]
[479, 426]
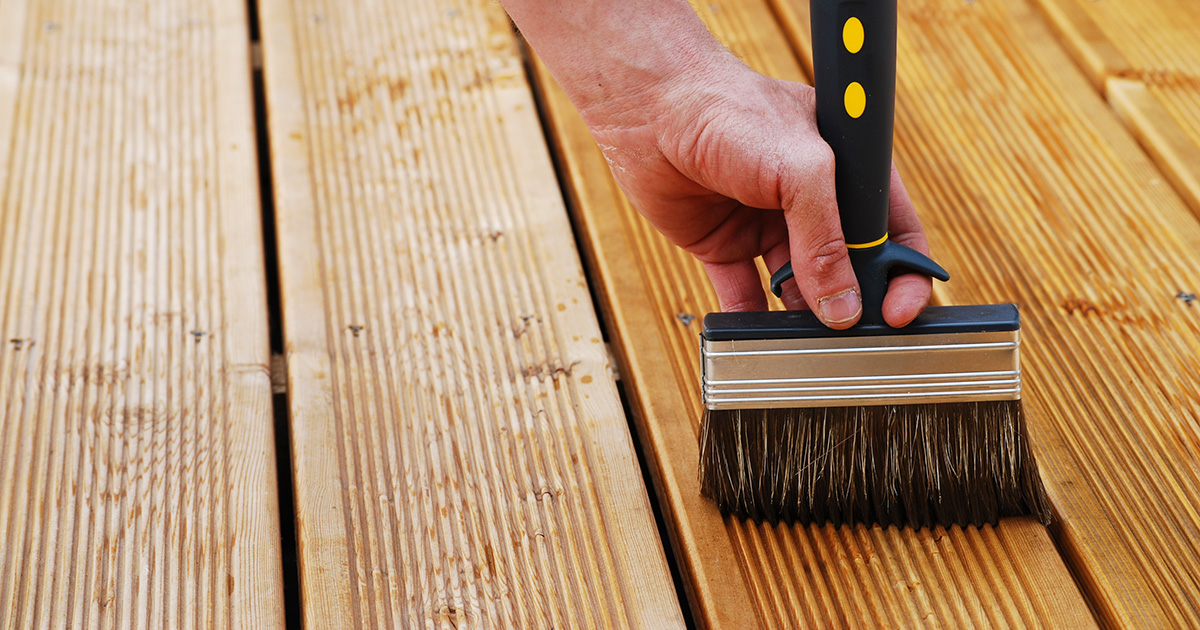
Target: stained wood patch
[461, 454]
[1033, 192]
[137, 470]
[781, 576]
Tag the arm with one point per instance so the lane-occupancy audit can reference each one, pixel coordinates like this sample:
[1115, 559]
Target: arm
[725, 162]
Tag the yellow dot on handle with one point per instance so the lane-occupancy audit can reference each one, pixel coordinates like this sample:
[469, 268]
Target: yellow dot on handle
[856, 100]
[852, 35]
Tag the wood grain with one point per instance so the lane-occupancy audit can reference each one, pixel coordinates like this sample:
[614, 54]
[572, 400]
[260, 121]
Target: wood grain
[652, 295]
[1148, 112]
[1152, 38]
[460, 451]
[1152, 43]
[1033, 192]
[137, 470]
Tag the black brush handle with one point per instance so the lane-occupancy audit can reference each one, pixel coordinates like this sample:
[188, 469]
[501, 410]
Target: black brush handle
[854, 61]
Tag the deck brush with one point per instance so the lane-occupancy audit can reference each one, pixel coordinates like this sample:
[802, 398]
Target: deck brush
[918, 426]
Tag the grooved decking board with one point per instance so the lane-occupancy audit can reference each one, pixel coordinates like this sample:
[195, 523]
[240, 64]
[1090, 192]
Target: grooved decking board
[137, 471]
[1146, 57]
[461, 455]
[1150, 39]
[739, 572]
[1033, 192]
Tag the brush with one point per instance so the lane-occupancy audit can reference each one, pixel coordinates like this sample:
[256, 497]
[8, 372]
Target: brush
[918, 426]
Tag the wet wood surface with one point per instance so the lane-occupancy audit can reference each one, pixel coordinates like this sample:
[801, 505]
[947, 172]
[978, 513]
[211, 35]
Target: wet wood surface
[137, 466]
[1034, 192]
[462, 458]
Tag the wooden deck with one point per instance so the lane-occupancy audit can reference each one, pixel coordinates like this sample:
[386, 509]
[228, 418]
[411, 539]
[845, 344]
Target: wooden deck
[489, 368]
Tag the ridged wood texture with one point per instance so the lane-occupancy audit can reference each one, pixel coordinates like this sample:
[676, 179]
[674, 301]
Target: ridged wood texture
[1033, 192]
[137, 471]
[1145, 56]
[739, 573]
[461, 455]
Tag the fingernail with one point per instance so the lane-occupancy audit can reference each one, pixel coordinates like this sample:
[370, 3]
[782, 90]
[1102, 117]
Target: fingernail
[840, 308]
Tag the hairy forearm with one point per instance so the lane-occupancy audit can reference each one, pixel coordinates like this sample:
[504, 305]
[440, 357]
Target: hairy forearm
[618, 59]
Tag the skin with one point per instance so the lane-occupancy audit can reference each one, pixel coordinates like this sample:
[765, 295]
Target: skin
[725, 162]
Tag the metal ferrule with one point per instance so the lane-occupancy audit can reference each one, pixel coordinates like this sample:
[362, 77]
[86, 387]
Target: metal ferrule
[860, 371]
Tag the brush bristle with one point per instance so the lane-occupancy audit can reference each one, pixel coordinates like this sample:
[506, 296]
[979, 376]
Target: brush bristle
[918, 465]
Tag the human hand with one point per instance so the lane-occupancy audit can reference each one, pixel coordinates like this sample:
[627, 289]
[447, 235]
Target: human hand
[725, 162]
[728, 164]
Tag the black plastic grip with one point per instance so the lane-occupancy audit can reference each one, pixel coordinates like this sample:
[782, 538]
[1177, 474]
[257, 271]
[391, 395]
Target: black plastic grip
[854, 59]
[854, 53]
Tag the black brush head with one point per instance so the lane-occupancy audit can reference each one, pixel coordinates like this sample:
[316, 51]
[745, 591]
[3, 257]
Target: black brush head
[918, 465]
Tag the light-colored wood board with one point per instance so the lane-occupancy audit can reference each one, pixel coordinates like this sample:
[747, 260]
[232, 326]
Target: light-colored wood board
[137, 466]
[1087, 43]
[1149, 38]
[1152, 42]
[1033, 192]
[461, 454]
[1176, 151]
[740, 572]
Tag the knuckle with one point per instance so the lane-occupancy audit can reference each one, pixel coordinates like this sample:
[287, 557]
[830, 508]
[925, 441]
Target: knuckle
[802, 97]
[810, 176]
[827, 256]
[806, 96]
[823, 163]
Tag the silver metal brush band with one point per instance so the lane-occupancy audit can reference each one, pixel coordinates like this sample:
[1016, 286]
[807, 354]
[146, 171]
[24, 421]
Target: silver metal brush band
[854, 371]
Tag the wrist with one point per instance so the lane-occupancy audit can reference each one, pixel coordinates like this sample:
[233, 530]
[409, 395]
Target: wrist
[621, 62]
[638, 87]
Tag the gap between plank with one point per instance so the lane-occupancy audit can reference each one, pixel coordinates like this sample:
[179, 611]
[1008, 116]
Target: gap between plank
[639, 445]
[283, 450]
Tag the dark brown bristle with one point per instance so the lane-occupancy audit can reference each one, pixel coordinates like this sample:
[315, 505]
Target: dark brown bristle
[918, 465]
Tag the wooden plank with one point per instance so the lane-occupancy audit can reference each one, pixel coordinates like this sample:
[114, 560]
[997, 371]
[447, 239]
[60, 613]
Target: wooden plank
[460, 451]
[1132, 39]
[652, 295]
[137, 471]
[1085, 40]
[1000, 136]
[1152, 43]
[1172, 147]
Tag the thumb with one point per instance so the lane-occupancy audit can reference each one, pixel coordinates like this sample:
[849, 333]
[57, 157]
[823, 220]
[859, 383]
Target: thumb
[818, 248]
